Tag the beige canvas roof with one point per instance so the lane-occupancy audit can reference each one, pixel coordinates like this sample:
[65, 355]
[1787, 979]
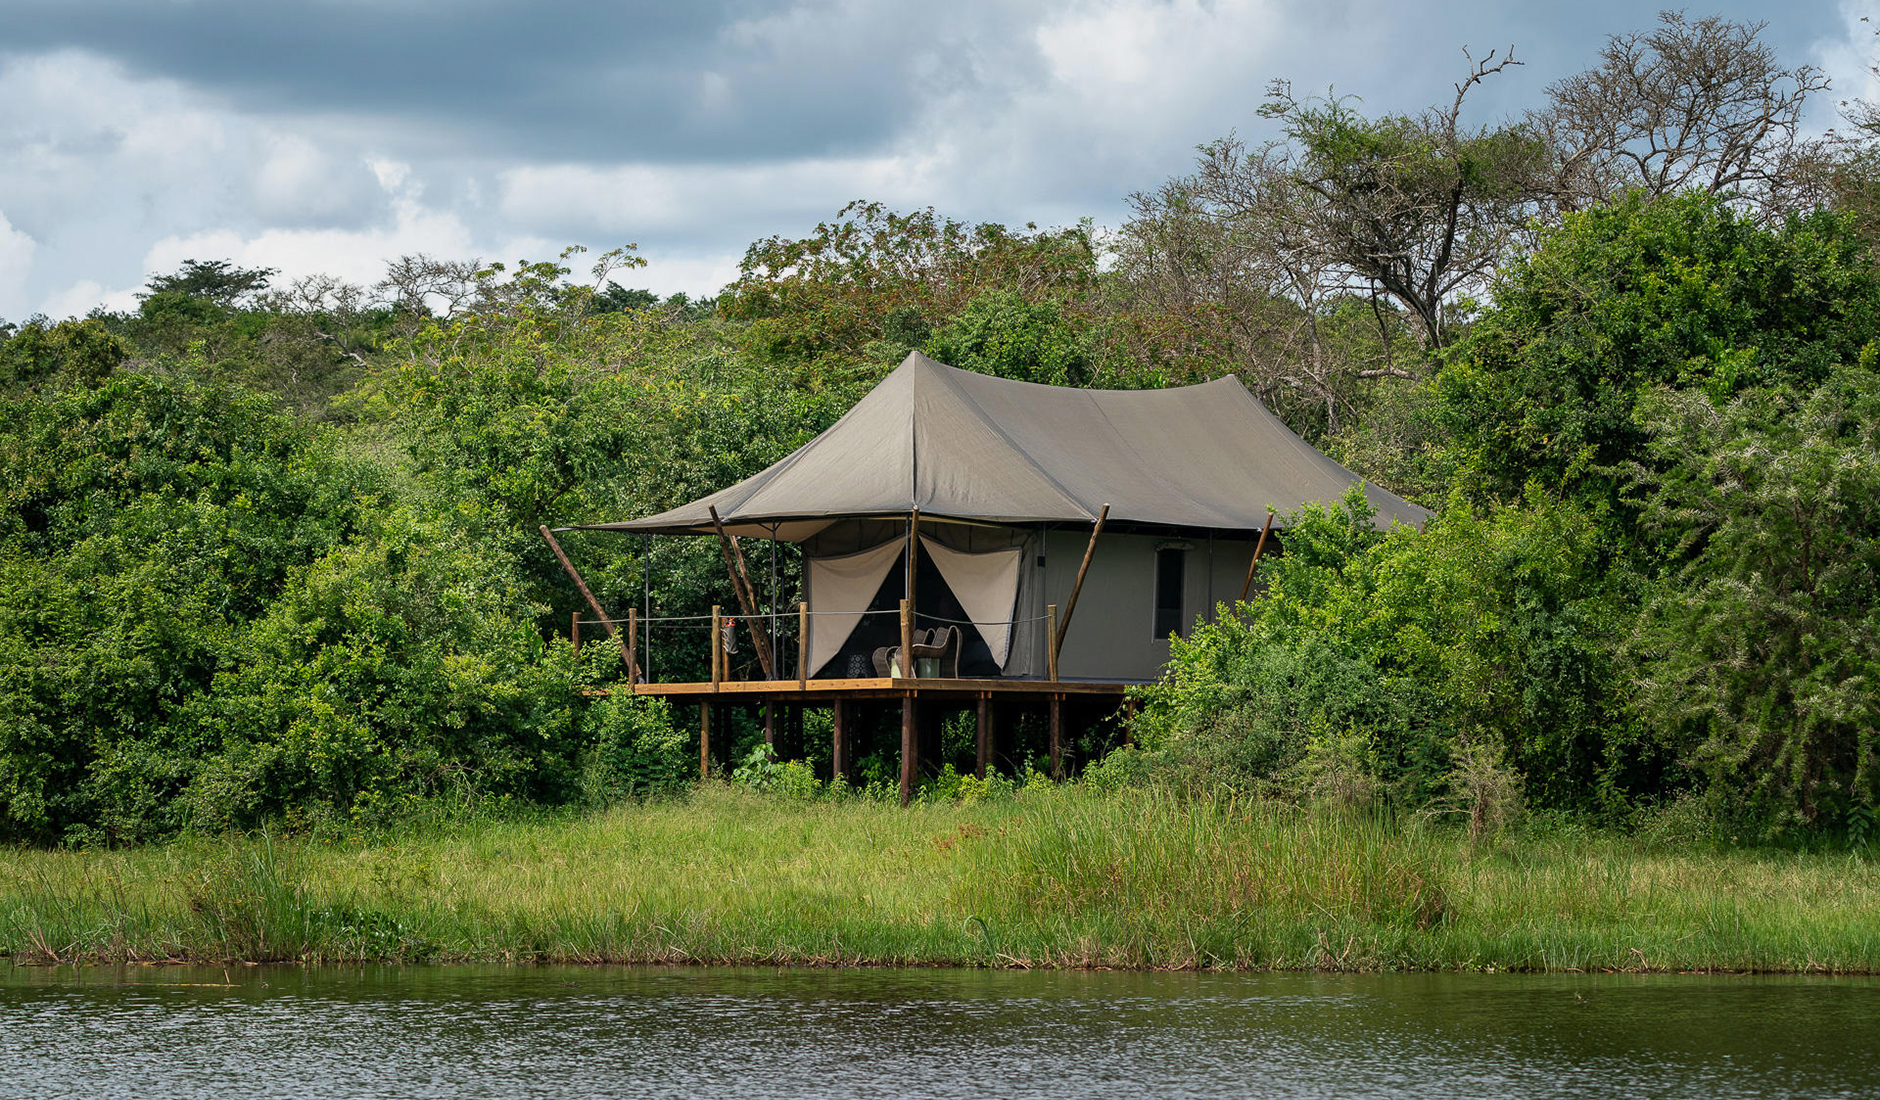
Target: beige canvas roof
[968, 446]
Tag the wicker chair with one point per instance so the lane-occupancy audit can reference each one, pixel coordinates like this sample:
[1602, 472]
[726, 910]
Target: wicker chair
[942, 643]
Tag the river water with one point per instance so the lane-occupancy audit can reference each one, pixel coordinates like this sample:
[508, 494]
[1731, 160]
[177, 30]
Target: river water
[157, 1032]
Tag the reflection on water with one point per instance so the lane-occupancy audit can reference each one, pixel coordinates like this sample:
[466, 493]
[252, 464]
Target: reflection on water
[753, 1034]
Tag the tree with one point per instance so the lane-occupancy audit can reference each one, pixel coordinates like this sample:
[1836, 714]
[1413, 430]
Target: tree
[1002, 333]
[1212, 280]
[1682, 291]
[1697, 104]
[876, 277]
[1420, 209]
[74, 353]
[1764, 656]
[218, 281]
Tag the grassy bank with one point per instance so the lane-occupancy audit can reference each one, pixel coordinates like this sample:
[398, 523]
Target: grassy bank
[1053, 878]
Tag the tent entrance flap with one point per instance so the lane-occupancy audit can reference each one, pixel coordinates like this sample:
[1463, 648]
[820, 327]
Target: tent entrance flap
[841, 589]
[850, 655]
[986, 585]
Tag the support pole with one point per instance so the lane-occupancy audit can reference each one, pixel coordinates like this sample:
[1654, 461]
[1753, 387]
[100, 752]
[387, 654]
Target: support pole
[741, 583]
[910, 748]
[983, 735]
[1057, 737]
[770, 728]
[1050, 650]
[1070, 608]
[705, 740]
[574, 632]
[718, 646]
[1246, 586]
[633, 644]
[802, 646]
[907, 605]
[575, 575]
[646, 594]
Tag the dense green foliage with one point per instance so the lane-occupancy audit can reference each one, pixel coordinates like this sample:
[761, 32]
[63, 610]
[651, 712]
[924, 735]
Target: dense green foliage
[270, 554]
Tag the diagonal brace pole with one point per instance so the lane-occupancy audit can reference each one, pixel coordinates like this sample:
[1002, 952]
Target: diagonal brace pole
[574, 574]
[734, 563]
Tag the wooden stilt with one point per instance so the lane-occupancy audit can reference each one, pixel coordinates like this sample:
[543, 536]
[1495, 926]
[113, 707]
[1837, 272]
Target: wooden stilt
[574, 633]
[910, 747]
[839, 750]
[705, 740]
[770, 727]
[1057, 737]
[983, 735]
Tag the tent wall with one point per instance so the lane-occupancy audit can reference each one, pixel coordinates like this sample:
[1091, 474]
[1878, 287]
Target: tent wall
[1112, 634]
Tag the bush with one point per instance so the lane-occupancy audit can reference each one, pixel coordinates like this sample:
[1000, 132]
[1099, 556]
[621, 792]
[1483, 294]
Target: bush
[632, 750]
[1373, 657]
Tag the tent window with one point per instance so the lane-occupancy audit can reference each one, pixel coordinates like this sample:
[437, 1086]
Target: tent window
[1170, 563]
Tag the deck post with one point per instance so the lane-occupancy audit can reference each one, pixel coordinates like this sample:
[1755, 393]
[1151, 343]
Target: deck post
[574, 633]
[1050, 642]
[633, 646]
[907, 638]
[705, 739]
[910, 748]
[718, 646]
[802, 646]
[770, 728]
[1057, 736]
[983, 735]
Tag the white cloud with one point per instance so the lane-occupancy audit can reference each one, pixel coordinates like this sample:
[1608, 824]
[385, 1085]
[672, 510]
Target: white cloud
[16, 262]
[357, 255]
[86, 295]
[1849, 56]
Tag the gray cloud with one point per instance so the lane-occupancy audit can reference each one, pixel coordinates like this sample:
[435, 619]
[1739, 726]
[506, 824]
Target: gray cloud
[695, 80]
[334, 134]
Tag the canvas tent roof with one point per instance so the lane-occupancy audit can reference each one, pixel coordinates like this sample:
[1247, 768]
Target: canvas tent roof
[968, 446]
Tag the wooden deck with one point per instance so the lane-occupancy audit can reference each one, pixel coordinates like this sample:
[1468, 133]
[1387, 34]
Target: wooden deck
[825, 691]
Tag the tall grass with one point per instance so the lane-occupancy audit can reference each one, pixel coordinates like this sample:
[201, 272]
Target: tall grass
[1066, 877]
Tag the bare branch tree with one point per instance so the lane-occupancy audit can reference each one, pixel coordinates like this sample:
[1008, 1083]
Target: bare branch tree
[1691, 105]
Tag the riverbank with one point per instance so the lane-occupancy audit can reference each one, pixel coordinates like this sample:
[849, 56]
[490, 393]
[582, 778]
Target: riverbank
[1059, 878]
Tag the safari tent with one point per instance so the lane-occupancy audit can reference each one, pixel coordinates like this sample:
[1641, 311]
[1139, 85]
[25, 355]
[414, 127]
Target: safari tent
[1134, 511]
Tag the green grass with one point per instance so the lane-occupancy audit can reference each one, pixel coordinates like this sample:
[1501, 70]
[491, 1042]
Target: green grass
[1069, 878]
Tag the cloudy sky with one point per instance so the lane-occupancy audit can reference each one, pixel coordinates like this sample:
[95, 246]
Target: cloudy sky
[331, 135]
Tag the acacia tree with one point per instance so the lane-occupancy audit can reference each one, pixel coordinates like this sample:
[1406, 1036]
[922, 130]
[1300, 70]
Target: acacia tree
[1691, 105]
[1409, 211]
[1417, 208]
